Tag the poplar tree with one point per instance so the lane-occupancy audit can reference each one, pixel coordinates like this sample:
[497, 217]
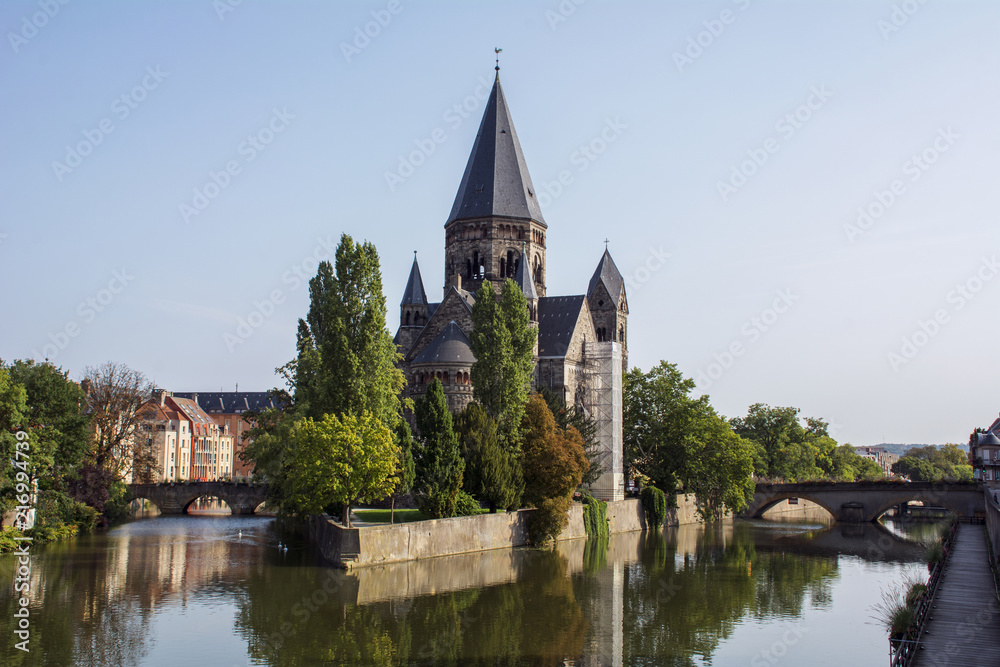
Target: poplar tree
[503, 344]
[437, 460]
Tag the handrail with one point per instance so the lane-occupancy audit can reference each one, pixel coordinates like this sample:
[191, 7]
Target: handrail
[906, 647]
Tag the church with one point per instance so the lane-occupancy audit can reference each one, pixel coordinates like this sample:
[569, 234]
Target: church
[496, 231]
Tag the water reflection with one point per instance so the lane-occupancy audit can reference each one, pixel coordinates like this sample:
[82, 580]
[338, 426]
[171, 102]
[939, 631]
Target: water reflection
[218, 590]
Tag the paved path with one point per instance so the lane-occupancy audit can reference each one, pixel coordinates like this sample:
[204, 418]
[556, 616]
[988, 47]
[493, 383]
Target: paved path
[964, 626]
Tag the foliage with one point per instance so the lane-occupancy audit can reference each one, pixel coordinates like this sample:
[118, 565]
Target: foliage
[466, 505]
[115, 393]
[671, 437]
[554, 463]
[492, 472]
[346, 358]
[344, 366]
[654, 505]
[574, 416]
[787, 450]
[344, 461]
[934, 553]
[503, 344]
[438, 462]
[548, 520]
[933, 464]
[595, 517]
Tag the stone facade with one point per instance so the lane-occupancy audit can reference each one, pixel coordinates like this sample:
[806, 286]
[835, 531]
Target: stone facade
[496, 232]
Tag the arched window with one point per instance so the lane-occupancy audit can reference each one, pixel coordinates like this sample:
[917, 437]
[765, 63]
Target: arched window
[407, 318]
[538, 269]
[621, 335]
[510, 264]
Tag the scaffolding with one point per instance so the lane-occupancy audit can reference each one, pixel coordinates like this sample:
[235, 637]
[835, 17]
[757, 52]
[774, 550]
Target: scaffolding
[602, 400]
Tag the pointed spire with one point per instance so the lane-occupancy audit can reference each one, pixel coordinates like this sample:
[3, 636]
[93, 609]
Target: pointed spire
[523, 277]
[414, 292]
[607, 273]
[496, 180]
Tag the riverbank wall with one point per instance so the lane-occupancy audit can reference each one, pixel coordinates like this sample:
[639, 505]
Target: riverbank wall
[379, 544]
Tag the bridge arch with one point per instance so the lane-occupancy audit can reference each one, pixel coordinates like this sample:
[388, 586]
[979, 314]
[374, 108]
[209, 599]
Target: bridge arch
[177, 498]
[771, 501]
[938, 500]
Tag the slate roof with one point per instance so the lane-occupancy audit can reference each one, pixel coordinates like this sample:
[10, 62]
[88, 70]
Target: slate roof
[450, 347]
[414, 292]
[988, 438]
[557, 317]
[607, 273]
[496, 180]
[523, 277]
[230, 402]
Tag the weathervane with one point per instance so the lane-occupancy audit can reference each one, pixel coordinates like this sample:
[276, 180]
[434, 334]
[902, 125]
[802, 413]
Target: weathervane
[497, 51]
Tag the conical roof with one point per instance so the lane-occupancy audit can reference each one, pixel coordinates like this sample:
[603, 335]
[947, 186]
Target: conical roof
[496, 180]
[523, 277]
[608, 274]
[414, 292]
[450, 347]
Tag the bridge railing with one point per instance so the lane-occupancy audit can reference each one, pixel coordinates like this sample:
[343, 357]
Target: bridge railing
[902, 651]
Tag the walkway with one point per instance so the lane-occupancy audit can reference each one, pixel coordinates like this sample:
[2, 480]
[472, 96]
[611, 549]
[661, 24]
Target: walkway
[964, 626]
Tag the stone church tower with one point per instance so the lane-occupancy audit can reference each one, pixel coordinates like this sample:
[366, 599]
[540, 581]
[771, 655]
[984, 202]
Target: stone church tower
[496, 231]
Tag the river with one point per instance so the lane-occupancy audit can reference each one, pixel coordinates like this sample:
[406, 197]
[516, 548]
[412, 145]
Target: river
[218, 590]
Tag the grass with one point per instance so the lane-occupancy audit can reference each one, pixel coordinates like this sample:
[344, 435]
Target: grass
[401, 516]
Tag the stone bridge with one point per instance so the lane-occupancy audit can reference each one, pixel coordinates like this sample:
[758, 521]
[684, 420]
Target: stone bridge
[175, 498]
[861, 502]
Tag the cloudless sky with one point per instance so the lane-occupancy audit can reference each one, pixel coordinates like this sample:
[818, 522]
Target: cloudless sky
[728, 149]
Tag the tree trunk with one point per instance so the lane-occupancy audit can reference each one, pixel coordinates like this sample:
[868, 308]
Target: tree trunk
[347, 515]
[392, 509]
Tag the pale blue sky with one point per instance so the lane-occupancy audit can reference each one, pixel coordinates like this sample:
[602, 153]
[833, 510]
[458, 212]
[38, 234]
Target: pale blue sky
[201, 80]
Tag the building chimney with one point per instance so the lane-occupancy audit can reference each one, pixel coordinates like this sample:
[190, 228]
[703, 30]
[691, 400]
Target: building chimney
[456, 281]
[194, 399]
[237, 387]
[161, 395]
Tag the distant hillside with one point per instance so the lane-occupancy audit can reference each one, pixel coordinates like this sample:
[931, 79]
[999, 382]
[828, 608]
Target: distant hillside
[900, 449]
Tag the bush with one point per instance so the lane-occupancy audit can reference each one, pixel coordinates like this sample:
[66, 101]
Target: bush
[654, 505]
[548, 520]
[7, 541]
[466, 505]
[595, 517]
[913, 594]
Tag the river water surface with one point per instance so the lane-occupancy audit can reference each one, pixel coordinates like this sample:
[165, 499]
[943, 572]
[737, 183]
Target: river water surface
[218, 590]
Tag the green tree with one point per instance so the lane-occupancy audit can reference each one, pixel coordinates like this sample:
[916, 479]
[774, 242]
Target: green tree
[503, 344]
[344, 365]
[554, 463]
[778, 432]
[340, 461]
[492, 472]
[405, 468]
[916, 469]
[672, 437]
[346, 358]
[13, 409]
[437, 460]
